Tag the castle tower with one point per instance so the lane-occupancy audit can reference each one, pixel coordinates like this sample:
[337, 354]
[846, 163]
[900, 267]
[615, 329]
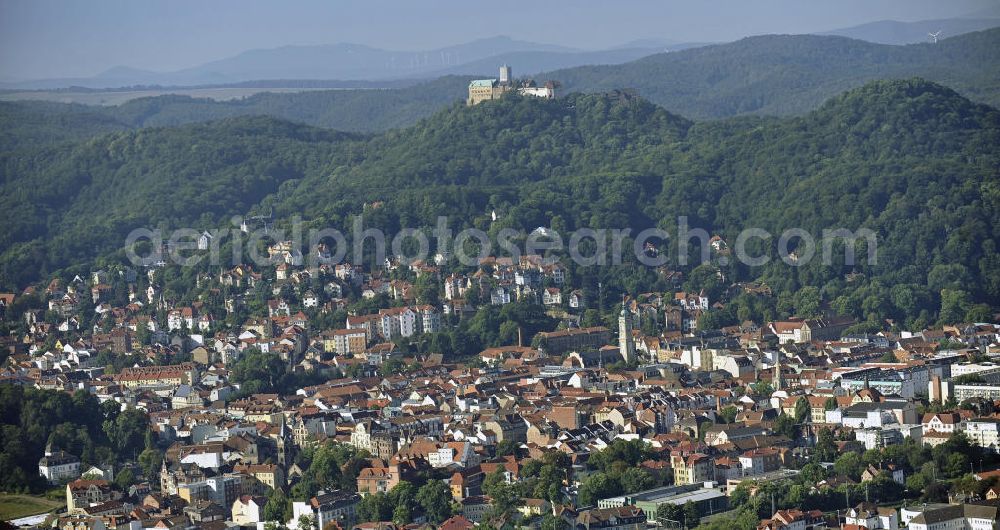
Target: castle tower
[626, 342]
[505, 75]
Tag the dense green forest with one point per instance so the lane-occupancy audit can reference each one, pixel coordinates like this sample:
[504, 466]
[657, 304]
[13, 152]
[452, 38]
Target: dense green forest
[28, 124]
[101, 434]
[766, 75]
[792, 74]
[68, 203]
[911, 160]
[360, 110]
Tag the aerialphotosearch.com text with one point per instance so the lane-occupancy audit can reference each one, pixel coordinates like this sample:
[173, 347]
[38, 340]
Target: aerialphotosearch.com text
[585, 246]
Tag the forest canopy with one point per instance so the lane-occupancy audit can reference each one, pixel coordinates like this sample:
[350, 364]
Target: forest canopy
[911, 160]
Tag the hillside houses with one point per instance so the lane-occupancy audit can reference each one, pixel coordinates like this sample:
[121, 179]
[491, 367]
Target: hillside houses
[383, 373]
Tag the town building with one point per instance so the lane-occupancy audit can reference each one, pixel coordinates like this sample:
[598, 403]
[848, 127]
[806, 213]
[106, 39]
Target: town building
[58, 466]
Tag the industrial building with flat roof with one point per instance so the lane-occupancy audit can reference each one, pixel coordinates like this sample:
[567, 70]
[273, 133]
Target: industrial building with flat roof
[708, 500]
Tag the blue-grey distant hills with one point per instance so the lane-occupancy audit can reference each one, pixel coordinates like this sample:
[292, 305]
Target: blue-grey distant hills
[766, 75]
[792, 74]
[895, 32]
[352, 62]
[349, 63]
[530, 63]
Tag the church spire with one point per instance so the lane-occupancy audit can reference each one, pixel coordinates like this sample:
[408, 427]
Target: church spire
[626, 342]
[778, 383]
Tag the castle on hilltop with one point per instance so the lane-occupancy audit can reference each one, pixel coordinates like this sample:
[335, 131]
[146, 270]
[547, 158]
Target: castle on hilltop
[487, 89]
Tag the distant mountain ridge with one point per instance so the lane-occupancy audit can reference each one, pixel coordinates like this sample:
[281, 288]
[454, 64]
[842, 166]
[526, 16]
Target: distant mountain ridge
[359, 62]
[792, 74]
[532, 63]
[768, 75]
[895, 32]
[348, 62]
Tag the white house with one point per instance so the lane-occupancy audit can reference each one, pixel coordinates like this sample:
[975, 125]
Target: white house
[460, 453]
[397, 322]
[205, 240]
[248, 510]
[340, 506]
[310, 299]
[944, 422]
[973, 516]
[552, 296]
[430, 318]
[984, 432]
[872, 517]
[58, 466]
[500, 296]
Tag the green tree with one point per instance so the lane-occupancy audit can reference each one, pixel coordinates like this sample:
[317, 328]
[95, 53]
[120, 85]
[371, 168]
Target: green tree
[256, 371]
[849, 465]
[552, 522]
[150, 461]
[277, 508]
[979, 313]
[595, 487]
[127, 432]
[375, 507]
[306, 522]
[803, 410]
[826, 448]
[124, 479]
[435, 498]
[691, 516]
[426, 288]
[813, 473]
[507, 447]
[762, 388]
[954, 305]
[670, 514]
[636, 479]
[957, 464]
[785, 426]
[401, 515]
[807, 301]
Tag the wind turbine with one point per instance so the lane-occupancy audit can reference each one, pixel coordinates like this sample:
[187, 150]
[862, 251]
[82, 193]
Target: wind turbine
[934, 36]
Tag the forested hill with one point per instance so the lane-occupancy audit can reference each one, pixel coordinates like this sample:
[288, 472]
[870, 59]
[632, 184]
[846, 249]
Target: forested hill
[71, 203]
[910, 159]
[772, 75]
[792, 74]
[29, 124]
[358, 110]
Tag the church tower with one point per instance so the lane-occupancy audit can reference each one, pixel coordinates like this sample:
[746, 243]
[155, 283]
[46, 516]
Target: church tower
[778, 383]
[626, 342]
[285, 445]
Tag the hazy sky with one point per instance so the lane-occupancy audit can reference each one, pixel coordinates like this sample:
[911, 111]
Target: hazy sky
[76, 38]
